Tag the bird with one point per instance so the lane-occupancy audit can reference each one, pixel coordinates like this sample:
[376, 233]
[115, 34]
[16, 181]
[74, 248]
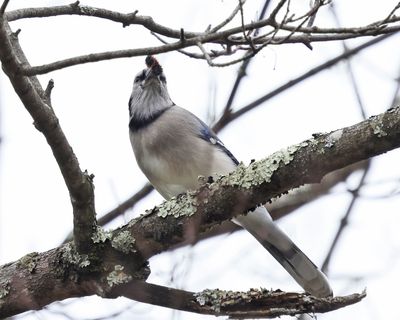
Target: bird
[173, 147]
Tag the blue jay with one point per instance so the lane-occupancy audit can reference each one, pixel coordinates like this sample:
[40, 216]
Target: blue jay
[173, 148]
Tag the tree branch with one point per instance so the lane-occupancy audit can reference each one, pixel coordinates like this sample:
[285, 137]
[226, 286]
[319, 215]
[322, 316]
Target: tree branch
[119, 256]
[263, 180]
[228, 117]
[298, 34]
[4, 6]
[36, 101]
[260, 303]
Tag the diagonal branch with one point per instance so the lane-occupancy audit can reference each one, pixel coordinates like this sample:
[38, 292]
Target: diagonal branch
[35, 100]
[241, 190]
[4, 6]
[69, 274]
[323, 66]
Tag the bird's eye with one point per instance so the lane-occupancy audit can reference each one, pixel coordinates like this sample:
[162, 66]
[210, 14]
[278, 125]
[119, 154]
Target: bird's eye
[140, 77]
[162, 78]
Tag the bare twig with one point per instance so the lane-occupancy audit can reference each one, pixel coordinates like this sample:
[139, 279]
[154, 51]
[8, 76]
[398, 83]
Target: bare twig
[390, 15]
[127, 204]
[227, 37]
[242, 70]
[47, 92]
[344, 221]
[4, 6]
[350, 68]
[299, 79]
[245, 35]
[33, 96]
[228, 19]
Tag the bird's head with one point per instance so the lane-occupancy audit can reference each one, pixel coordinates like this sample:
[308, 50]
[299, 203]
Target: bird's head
[149, 92]
[153, 76]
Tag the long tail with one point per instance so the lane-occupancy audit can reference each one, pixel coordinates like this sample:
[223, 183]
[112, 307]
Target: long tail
[299, 266]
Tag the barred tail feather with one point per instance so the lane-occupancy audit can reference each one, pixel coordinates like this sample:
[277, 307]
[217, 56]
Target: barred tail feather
[295, 262]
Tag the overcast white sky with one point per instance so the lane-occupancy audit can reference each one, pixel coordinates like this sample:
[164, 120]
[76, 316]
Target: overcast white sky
[91, 103]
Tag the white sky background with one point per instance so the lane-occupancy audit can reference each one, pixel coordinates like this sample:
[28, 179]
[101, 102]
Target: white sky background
[91, 103]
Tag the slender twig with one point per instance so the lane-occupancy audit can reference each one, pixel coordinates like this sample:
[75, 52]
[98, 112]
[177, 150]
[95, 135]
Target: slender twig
[210, 62]
[299, 79]
[242, 68]
[355, 192]
[33, 97]
[212, 54]
[245, 35]
[390, 15]
[311, 20]
[4, 6]
[108, 55]
[307, 35]
[353, 81]
[48, 90]
[344, 221]
[127, 204]
[228, 19]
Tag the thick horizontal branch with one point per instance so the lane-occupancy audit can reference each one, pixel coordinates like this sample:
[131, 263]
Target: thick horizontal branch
[183, 218]
[37, 103]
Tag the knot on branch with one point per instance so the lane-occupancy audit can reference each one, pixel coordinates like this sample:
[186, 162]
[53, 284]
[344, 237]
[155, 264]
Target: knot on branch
[129, 18]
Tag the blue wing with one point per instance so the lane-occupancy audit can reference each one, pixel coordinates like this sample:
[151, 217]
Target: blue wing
[207, 134]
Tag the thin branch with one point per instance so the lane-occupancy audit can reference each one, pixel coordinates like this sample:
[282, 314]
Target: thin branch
[307, 35]
[242, 69]
[109, 55]
[210, 62]
[4, 6]
[260, 303]
[298, 79]
[344, 221]
[245, 36]
[311, 20]
[47, 92]
[127, 204]
[228, 19]
[390, 15]
[350, 68]
[34, 98]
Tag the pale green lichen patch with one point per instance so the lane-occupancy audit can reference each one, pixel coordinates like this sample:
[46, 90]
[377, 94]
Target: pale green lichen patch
[261, 171]
[29, 261]
[71, 256]
[124, 242]
[101, 235]
[185, 205]
[332, 138]
[218, 299]
[118, 276]
[377, 126]
[4, 290]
